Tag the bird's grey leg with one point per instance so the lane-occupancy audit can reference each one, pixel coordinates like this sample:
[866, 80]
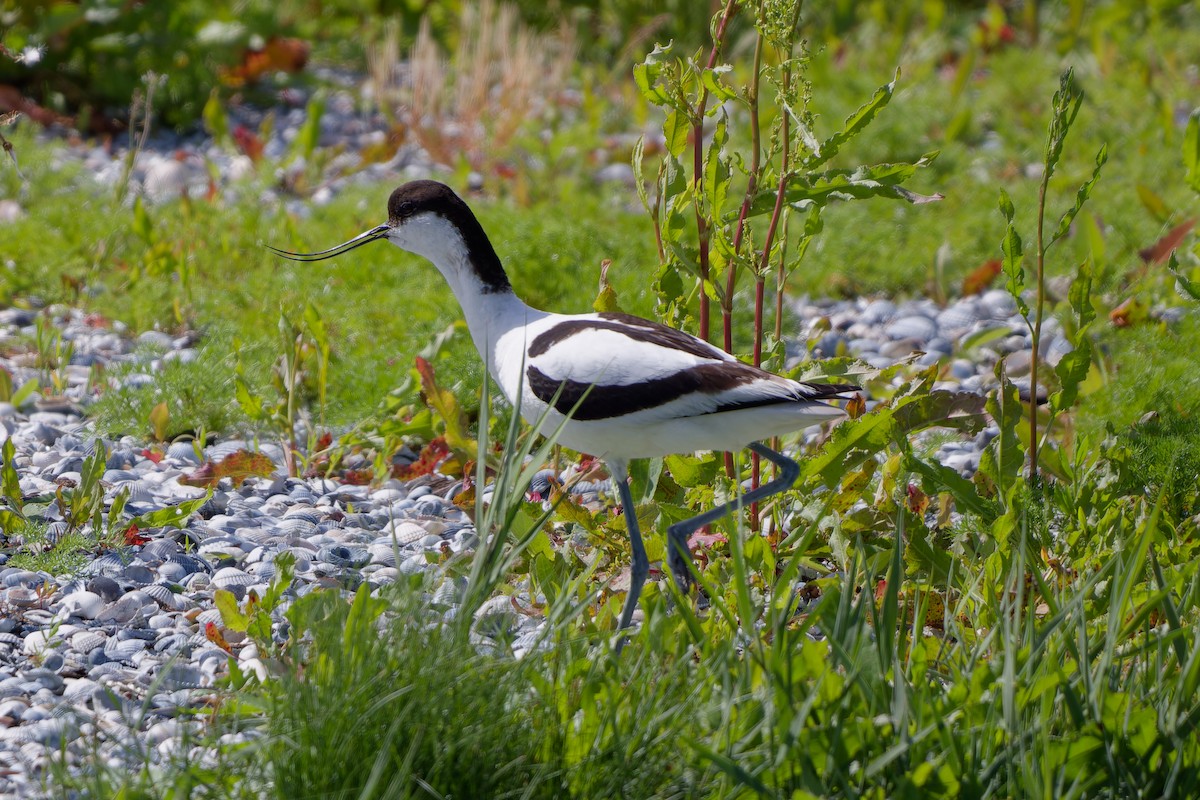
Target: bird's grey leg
[639, 566]
[679, 557]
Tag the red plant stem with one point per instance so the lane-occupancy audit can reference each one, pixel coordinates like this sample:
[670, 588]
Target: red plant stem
[698, 168]
[748, 199]
[755, 460]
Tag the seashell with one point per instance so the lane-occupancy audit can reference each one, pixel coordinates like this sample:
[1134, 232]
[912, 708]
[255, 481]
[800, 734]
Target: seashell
[383, 554]
[80, 690]
[445, 596]
[406, 533]
[263, 570]
[172, 643]
[123, 649]
[297, 526]
[303, 512]
[110, 670]
[190, 563]
[343, 556]
[231, 577]
[138, 575]
[183, 452]
[87, 641]
[111, 565]
[160, 549]
[207, 616]
[11, 639]
[162, 595]
[21, 597]
[84, 604]
[22, 578]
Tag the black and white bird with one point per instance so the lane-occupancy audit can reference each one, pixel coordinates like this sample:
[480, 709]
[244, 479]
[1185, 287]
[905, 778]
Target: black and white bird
[613, 385]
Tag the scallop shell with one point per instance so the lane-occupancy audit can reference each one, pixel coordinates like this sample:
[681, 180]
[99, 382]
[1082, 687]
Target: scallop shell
[232, 577]
[406, 533]
[123, 649]
[297, 526]
[162, 595]
[343, 556]
[87, 641]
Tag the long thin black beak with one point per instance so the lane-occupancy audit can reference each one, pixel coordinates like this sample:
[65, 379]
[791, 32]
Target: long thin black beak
[378, 232]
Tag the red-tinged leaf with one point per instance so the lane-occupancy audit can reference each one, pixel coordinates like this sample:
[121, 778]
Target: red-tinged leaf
[856, 406]
[708, 539]
[981, 277]
[278, 54]
[133, 537]
[248, 142]
[357, 477]
[1161, 250]
[214, 635]
[153, 455]
[1129, 313]
[917, 501]
[324, 440]
[236, 466]
[432, 454]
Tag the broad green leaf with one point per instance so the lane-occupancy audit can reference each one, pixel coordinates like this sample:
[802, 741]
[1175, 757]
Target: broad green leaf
[859, 120]
[309, 134]
[1081, 196]
[983, 337]
[639, 155]
[142, 225]
[231, 616]
[9, 479]
[851, 443]
[1080, 298]
[689, 471]
[647, 75]
[1014, 254]
[877, 180]
[675, 132]
[1002, 459]
[215, 119]
[251, 404]
[965, 493]
[1072, 370]
[714, 81]
[176, 515]
[1191, 151]
[159, 417]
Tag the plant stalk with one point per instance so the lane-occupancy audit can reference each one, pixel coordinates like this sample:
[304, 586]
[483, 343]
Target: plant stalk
[698, 167]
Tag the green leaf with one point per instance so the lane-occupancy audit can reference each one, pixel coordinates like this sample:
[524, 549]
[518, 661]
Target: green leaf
[231, 616]
[1080, 298]
[173, 515]
[648, 74]
[639, 155]
[251, 404]
[1072, 370]
[1191, 151]
[10, 482]
[965, 493]
[215, 119]
[675, 132]
[689, 471]
[714, 81]
[1081, 196]
[159, 416]
[856, 122]
[1186, 287]
[876, 180]
[1065, 106]
[143, 226]
[1002, 459]
[25, 392]
[309, 134]
[1014, 254]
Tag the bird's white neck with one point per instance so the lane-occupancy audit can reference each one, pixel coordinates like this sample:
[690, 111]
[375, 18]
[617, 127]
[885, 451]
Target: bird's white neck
[489, 305]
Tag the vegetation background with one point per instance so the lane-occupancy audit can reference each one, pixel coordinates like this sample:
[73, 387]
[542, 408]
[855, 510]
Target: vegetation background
[1041, 639]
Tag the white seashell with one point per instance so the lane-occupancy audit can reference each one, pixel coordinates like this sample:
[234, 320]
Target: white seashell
[231, 577]
[161, 595]
[406, 533]
[87, 641]
[85, 605]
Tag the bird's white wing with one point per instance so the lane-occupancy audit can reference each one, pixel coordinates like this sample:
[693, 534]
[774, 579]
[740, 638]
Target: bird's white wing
[604, 366]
